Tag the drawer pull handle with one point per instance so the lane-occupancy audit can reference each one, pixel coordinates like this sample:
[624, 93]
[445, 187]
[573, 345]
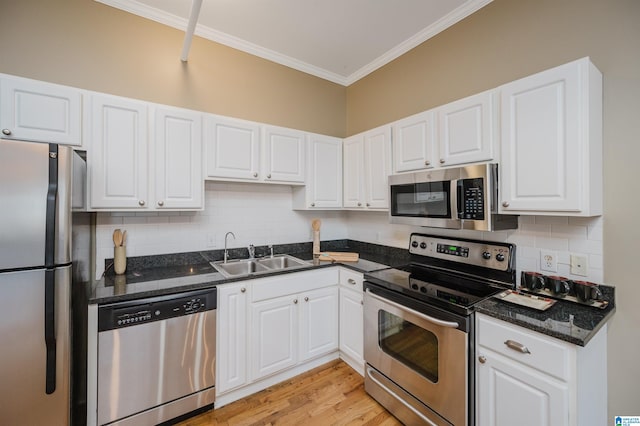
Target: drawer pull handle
[517, 346]
[351, 281]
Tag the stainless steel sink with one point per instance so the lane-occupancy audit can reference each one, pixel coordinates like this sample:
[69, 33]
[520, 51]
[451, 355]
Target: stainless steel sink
[240, 267]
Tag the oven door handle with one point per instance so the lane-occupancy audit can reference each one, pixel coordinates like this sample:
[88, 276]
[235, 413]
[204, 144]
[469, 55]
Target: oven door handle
[370, 373]
[450, 324]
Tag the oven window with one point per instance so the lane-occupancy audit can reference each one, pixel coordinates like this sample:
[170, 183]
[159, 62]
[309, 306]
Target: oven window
[428, 199]
[415, 347]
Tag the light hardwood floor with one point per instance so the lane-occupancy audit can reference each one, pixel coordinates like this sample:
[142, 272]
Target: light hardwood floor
[332, 394]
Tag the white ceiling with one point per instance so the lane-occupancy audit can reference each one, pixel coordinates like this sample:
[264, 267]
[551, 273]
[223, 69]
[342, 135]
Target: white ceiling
[338, 40]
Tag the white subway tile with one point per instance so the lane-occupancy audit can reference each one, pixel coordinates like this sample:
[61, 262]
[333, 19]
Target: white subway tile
[552, 243]
[586, 246]
[551, 220]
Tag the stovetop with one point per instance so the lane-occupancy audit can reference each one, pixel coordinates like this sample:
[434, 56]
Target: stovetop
[452, 274]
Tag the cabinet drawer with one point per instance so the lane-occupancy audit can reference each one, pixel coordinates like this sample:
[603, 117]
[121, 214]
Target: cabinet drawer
[545, 353]
[351, 279]
[292, 283]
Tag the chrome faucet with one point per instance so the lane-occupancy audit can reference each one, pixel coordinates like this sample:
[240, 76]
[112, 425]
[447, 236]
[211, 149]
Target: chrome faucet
[252, 251]
[226, 253]
[271, 250]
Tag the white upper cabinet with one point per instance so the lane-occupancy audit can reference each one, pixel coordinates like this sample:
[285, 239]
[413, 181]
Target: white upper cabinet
[178, 147]
[129, 168]
[232, 148]
[467, 129]
[284, 155]
[323, 189]
[367, 165]
[414, 142]
[552, 142]
[38, 111]
[117, 155]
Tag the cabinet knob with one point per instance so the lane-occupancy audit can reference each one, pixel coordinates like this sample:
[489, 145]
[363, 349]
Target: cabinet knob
[427, 163]
[269, 176]
[242, 290]
[362, 302]
[313, 204]
[368, 205]
[359, 204]
[505, 204]
[351, 281]
[295, 301]
[442, 161]
[141, 202]
[482, 359]
[255, 174]
[161, 203]
[306, 299]
[6, 132]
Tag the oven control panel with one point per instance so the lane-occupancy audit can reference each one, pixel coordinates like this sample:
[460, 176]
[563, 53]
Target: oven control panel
[491, 255]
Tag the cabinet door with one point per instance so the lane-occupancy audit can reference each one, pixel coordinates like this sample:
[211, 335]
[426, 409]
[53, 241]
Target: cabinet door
[541, 141]
[117, 158]
[413, 142]
[178, 152]
[231, 352]
[511, 394]
[324, 181]
[284, 155]
[318, 322]
[353, 171]
[37, 111]
[467, 129]
[232, 148]
[377, 160]
[351, 326]
[274, 335]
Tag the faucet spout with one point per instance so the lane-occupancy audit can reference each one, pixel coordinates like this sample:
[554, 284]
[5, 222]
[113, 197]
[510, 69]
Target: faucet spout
[226, 253]
[252, 251]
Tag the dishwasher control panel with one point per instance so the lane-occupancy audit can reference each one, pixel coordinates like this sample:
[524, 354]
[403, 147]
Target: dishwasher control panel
[141, 311]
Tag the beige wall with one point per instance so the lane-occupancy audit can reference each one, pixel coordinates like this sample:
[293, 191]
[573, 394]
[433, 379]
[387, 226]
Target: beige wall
[510, 39]
[86, 44]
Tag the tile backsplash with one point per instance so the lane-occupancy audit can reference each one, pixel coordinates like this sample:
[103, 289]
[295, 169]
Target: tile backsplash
[262, 214]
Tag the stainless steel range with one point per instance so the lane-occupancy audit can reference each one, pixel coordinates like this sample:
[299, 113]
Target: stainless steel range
[420, 357]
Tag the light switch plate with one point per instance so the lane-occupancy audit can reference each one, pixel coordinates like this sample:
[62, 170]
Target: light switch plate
[579, 265]
[548, 260]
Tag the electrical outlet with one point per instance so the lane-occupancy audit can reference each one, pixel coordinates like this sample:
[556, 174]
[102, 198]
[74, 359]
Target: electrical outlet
[579, 265]
[211, 239]
[548, 260]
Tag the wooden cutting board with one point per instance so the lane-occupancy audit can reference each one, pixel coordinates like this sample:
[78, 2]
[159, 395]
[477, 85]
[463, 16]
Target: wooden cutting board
[339, 256]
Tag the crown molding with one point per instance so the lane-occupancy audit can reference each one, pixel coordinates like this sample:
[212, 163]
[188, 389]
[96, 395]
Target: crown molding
[162, 17]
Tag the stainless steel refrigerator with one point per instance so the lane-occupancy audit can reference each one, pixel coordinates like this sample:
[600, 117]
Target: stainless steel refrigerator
[35, 283]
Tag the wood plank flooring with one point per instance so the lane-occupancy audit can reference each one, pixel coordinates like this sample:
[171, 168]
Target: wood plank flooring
[332, 394]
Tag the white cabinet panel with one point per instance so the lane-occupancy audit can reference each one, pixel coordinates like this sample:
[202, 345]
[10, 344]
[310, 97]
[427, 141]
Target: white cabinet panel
[323, 189]
[232, 148]
[117, 158]
[284, 155]
[318, 322]
[38, 111]
[467, 129]
[353, 172]
[414, 142]
[231, 346]
[552, 142]
[352, 328]
[179, 183]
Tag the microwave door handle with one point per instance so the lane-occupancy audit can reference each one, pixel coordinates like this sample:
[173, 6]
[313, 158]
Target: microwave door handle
[456, 198]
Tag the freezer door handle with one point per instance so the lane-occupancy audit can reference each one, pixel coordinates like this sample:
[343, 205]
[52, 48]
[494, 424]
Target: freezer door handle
[52, 195]
[50, 329]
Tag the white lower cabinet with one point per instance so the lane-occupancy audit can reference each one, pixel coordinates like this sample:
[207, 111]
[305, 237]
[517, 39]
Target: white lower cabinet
[273, 328]
[351, 319]
[527, 378]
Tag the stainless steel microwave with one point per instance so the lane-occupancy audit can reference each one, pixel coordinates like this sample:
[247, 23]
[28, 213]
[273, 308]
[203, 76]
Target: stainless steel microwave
[454, 198]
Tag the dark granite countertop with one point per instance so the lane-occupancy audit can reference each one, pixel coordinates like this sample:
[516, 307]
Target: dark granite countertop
[149, 276]
[572, 322]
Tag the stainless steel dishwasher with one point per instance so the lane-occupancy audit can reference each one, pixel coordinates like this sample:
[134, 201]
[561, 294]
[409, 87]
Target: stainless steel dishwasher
[156, 358]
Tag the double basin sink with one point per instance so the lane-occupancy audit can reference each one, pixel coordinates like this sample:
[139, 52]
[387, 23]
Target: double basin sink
[240, 267]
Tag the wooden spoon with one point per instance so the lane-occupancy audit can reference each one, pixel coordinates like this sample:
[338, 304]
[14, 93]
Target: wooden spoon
[315, 224]
[124, 238]
[117, 237]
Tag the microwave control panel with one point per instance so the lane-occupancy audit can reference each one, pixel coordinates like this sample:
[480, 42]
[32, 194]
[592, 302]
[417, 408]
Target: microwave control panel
[471, 199]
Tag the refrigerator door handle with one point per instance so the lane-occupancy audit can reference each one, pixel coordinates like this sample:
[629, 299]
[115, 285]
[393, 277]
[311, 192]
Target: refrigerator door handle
[49, 329]
[50, 281]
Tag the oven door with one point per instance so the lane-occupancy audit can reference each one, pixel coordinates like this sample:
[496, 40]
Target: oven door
[423, 351]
